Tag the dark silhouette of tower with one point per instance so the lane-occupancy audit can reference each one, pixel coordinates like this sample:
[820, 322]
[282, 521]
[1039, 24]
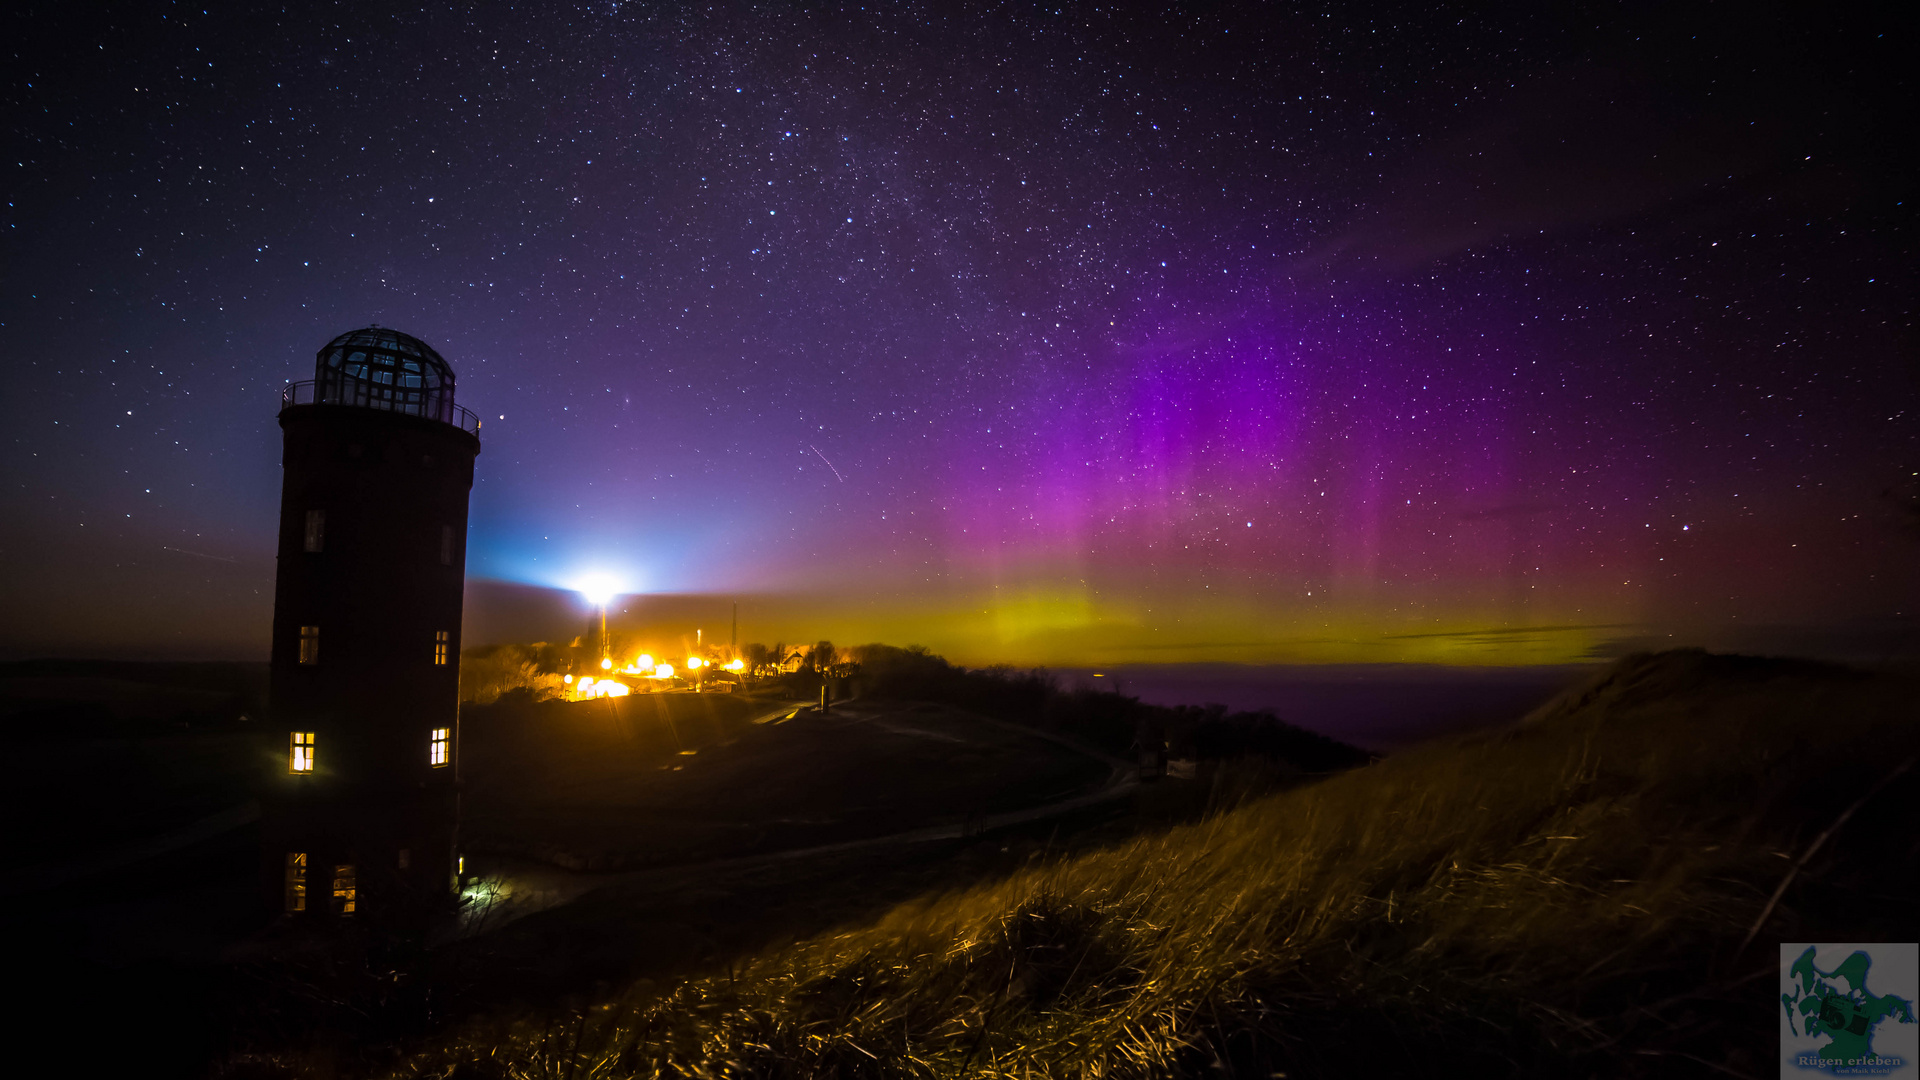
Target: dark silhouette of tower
[361, 817]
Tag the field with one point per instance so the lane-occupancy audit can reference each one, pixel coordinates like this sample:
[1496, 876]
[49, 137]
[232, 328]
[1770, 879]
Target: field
[658, 779]
[109, 756]
[1595, 891]
[720, 885]
[135, 876]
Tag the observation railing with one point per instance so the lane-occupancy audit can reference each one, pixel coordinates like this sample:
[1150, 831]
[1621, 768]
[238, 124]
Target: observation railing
[369, 396]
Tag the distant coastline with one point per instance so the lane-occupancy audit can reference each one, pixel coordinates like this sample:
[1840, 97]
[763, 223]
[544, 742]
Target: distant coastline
[1382, 707]
[1379, 706]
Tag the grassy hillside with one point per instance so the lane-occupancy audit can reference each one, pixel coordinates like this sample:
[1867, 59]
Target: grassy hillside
[45, 701]
[659, 779]
[1568, 897]
[103, 753]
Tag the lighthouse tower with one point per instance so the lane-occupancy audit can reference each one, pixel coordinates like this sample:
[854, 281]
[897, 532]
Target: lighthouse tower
[360, 816]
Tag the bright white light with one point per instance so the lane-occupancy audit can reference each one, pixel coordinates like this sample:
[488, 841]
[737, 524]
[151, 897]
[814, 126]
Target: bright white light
[599, 589]
[693, 663]
[664, 671]
[645, 661]
[606, 663]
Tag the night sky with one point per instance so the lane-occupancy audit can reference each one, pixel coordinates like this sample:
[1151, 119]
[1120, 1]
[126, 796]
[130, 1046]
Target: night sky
[1071, 336]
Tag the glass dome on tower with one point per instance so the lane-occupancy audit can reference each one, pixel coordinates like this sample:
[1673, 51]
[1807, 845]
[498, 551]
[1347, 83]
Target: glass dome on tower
[380, 368]
[383, 369]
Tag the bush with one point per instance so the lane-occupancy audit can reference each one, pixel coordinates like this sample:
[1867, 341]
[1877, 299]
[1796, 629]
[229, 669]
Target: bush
[490, 671]
[1211, 733]
[1112, 722]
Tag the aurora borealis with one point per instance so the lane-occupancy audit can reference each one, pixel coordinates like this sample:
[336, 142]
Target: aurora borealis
[1072, 336]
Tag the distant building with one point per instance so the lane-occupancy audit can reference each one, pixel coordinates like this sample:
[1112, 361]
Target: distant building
[361, 819]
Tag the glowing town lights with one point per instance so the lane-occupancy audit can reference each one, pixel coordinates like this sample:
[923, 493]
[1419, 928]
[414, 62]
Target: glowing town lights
[737, 666]
[664, 671]
[606, 663]
[645, 661]
[568, 679]
[589, 687]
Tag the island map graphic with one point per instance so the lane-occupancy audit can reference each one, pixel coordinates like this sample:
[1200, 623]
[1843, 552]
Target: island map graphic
[1841, 1013]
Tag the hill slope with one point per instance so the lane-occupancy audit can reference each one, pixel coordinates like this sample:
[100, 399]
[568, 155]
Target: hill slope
[1567, 897]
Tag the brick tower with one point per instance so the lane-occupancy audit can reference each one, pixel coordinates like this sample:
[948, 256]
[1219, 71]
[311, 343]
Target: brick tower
[361, 814]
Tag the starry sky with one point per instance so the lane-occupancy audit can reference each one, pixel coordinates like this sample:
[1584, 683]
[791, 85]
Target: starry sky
[1474, 334]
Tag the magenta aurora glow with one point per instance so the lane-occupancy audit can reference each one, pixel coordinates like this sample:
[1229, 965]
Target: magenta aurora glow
[1098, 337]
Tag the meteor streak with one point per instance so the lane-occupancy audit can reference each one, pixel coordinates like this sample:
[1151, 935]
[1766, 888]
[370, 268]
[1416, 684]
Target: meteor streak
[198, 554]
[823, 457]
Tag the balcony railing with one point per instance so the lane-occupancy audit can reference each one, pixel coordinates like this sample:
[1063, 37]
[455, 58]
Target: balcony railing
[372, 397]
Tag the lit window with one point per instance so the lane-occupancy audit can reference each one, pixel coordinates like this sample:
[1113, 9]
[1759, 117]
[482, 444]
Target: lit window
[296, 881]
[446, 545]
[440, 643]
[439, 747]
[343, 890]
[309, 644]
[316, 530]
[300, 753]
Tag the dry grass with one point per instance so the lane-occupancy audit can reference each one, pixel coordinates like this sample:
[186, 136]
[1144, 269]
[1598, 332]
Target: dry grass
[1563, 898]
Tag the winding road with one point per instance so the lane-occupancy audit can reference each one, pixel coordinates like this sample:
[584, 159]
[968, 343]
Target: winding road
[506, 889]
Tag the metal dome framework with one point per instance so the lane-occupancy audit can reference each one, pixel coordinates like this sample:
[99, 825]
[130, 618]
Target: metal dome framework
[379, 368]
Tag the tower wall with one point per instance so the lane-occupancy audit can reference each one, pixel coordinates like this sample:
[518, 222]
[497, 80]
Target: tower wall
[377, 610]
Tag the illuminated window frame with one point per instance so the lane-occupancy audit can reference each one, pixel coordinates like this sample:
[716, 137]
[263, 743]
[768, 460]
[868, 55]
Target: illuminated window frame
[300, 752]
[316, 539]
[440, 747]
[441, 640]
[296, 881]
[309, 644]
[345, 892]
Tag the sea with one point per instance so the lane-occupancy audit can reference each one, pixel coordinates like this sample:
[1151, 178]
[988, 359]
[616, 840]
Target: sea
[1378, 707]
